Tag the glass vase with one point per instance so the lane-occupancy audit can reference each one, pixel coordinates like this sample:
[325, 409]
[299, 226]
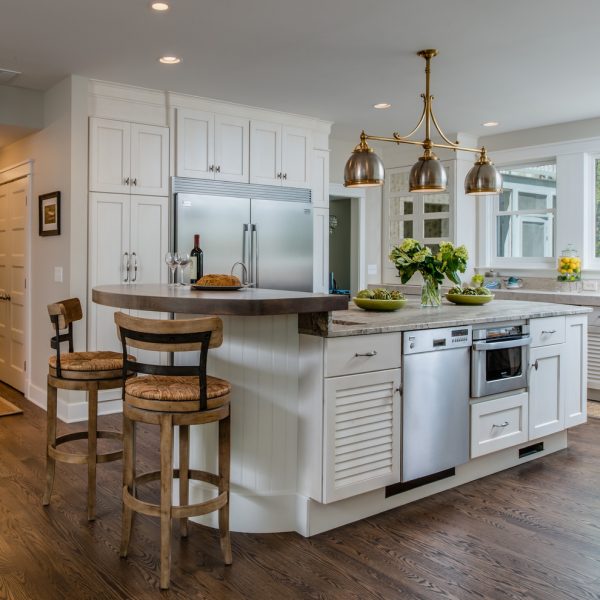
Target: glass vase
[430, 293]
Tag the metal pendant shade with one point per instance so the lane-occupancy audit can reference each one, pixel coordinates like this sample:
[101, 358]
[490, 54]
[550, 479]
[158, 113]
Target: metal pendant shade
[364, 168]
[483, 178]
[427, 175]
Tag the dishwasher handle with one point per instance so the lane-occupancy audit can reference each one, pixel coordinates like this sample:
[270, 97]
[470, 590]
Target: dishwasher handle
[524, 341]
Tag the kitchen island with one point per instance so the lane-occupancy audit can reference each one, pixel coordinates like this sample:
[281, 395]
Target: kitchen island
[302, 380]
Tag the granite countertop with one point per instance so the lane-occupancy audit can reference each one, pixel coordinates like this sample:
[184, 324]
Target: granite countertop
[356, 321]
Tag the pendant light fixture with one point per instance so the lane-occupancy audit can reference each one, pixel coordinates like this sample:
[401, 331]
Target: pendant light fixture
[364, 168]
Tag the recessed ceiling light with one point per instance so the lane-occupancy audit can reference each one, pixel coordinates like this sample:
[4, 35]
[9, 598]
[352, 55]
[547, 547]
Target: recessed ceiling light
[169, 60]
[382, 105]
[491, 124]
[160, 6]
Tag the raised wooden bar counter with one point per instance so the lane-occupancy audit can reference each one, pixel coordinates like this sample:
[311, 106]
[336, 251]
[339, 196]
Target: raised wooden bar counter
[244, 302]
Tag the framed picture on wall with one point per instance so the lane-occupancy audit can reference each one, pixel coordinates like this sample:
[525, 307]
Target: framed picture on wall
[50, 214]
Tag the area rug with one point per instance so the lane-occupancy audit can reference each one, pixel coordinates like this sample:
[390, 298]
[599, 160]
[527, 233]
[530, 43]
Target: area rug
[593, 409]
[8, 408]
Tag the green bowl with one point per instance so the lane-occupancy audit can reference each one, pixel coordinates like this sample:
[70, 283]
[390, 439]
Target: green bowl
[468, 299]
[369, 304]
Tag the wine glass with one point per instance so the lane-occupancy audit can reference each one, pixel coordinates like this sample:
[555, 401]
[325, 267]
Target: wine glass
[183, 260]
[171, 262]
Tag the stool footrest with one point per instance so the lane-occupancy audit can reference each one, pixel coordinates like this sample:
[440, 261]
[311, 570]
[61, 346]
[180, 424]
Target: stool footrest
[188, 510]
[78, 458]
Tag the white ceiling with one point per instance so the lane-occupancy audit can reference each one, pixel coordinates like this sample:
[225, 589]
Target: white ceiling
[524, 63]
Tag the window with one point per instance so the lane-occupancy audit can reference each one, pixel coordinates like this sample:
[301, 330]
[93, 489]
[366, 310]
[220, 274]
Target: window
[525, 212]
[597, 206]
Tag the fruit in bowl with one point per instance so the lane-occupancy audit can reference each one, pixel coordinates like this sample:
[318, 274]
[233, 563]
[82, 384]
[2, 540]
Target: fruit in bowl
[380, 299]
[469, 295]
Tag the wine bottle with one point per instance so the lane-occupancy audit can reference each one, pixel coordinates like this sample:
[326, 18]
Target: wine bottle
[197, 256]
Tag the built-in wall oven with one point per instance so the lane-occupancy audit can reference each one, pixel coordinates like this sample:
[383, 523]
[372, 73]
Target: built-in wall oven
[499, 358]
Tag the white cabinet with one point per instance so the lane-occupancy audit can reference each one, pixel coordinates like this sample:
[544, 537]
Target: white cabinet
[128, 158]
[128, 240]
[576, 370]
[321, 250]
[547, 390]
[361, 446]
[498, 423]
[320, 179]
[279, 155]
[212, 146]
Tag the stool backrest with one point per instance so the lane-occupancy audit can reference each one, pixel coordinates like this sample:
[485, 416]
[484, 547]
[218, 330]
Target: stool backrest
[180, 335]
[62, 315]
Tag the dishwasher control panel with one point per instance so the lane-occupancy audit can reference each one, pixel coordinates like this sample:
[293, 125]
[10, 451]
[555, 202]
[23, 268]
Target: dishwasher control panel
[433, 340]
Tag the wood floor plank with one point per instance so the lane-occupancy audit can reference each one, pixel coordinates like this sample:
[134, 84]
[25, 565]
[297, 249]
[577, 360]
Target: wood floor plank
[531, 532]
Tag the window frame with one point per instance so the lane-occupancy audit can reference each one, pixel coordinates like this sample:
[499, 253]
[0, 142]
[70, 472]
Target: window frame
[522, 262]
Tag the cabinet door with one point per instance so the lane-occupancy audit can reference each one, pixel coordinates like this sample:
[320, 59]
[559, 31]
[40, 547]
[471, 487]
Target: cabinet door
[547, 390]
[195, 141]
[149, 160]
[296, 148]
[110, 147]
[361, 433]
[265, 153]
[320, 179]
[576, 370]
[232, 148]
[321, 250]
[108, 257]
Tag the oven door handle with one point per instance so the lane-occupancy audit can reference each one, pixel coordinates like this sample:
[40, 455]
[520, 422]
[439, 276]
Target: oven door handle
[524, 341]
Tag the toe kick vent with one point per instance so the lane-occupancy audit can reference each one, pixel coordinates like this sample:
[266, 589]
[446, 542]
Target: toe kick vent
[529, 450]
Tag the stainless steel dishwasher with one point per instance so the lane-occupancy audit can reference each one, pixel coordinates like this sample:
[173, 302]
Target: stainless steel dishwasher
[435, 406]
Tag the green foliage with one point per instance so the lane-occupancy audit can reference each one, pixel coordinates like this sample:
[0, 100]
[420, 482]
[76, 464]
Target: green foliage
[411, 256]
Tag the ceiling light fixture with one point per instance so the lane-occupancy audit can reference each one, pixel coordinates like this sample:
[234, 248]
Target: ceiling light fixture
[160, 6]
[169, 60]
[364, 168]
[382, 105]
[491, 124]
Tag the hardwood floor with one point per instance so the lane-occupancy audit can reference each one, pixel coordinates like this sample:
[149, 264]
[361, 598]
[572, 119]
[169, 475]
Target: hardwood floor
[530, 532]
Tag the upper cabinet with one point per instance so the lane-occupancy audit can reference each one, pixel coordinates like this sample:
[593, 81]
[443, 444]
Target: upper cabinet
[212, 146]
[128, 158]
[279, 154]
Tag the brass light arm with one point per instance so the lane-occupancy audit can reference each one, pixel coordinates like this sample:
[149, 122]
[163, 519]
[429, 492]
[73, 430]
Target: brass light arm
[404, 137]
[439, 130]
[399, 140]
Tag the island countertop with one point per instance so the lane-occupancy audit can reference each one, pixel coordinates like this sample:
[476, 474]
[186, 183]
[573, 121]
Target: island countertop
[356, 321]
[244, 302]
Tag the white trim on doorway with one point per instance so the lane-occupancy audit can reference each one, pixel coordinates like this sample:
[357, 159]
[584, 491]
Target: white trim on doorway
[19, 171]
[358, 197]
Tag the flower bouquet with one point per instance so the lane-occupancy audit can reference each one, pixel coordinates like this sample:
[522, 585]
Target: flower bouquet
[411, 256]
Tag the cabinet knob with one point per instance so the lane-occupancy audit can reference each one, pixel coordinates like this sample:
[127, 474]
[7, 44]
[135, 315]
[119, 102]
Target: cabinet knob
[126, 180]
[211, 168]
[535, 365]
[278, 175]
[285, 175]
[218, 169]
[134, 181]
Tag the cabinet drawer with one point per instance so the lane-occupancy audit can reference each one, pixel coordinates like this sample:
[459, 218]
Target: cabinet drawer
[498, 424]
[362, 353]
[545, 332]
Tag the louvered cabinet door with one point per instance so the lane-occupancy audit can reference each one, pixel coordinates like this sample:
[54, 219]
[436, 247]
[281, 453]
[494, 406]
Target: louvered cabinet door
[361, 433]
[594, 361]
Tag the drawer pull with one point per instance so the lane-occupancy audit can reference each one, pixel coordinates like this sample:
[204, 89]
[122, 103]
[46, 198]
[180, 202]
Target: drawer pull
[505, 424]
[548, 332]
[371, 353]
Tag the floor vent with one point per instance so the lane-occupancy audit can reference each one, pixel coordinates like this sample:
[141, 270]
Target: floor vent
[398, 488]
[529, 450]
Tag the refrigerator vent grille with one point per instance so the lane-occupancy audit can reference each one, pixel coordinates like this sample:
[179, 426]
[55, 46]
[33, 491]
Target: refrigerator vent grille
[189, 185]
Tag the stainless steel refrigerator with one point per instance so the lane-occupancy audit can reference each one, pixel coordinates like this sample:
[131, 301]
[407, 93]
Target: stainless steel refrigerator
[273, 238]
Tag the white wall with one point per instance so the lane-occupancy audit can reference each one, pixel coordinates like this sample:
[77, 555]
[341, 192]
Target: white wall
[49, 151]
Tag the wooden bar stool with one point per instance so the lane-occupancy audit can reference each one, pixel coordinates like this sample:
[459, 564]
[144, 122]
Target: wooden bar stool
[83, 371]
[168, 396]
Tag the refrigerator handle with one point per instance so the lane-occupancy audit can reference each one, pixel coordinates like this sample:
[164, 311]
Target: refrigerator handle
[254, 258]
[245, 250]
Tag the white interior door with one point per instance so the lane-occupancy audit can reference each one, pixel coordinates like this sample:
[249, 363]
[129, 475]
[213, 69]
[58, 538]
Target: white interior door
[149, 160]
[13, 309]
